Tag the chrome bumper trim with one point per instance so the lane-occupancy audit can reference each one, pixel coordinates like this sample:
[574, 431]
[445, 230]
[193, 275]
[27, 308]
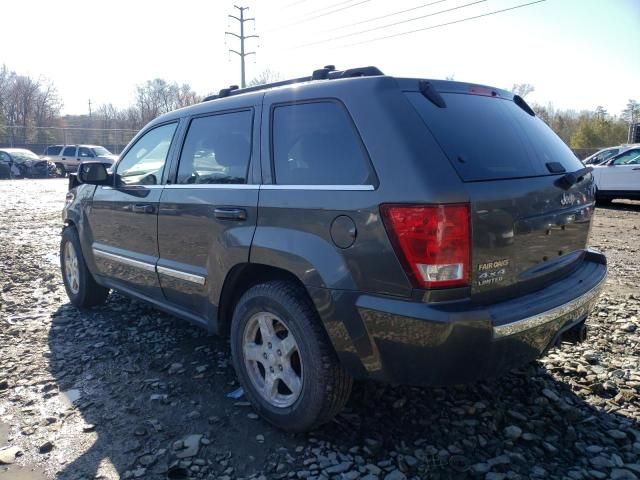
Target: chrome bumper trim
[577, 308]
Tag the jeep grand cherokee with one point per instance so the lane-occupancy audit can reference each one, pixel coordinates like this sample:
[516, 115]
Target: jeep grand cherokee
[346, 225]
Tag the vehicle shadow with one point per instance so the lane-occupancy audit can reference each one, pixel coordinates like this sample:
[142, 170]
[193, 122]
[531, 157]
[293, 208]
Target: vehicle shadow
[141, 380]
[622, 205]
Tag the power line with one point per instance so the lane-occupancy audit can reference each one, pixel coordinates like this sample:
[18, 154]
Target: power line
[305, 20]
[242, 37]
[442, 24]
[393, 14]
[392, 24]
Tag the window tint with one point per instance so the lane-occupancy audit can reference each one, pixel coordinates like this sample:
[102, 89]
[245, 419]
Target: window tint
[84, 152]
[5, 157]
[144, 162]
[69, 152]
[55, 150]
[217, 149]
[488, 138]
[632, 157]
[317, 144]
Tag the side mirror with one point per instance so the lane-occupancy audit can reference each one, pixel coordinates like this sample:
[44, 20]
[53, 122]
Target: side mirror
[94, 173]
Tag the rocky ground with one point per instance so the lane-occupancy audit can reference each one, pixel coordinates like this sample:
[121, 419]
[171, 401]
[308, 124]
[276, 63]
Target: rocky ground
[126, 392]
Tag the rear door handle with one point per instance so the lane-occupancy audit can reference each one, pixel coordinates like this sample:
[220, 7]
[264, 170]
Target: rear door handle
[142, 208]
[636, 168]
[230, 213]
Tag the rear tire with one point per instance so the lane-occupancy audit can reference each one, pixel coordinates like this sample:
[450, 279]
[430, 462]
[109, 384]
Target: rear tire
[81, 287]
[284, 359]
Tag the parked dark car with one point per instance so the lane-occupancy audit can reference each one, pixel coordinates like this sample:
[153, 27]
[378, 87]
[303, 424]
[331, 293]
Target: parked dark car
[23, 163]
[346, 225]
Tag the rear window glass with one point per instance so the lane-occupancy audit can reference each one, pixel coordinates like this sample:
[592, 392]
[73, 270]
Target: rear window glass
[53, 150]
[488, 138]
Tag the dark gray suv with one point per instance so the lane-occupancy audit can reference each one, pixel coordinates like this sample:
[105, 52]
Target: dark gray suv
[346, 225]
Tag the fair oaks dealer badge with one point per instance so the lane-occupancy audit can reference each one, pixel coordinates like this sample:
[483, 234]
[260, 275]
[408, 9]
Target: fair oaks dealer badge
[492, 272]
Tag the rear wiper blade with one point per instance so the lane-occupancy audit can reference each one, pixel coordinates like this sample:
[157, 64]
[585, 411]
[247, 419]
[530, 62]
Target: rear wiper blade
[569, 179]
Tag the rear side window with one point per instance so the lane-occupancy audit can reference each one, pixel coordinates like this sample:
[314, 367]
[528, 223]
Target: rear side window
[217, 149]
[69, 152]
[317, 144]
[487, 138]
[53, 150]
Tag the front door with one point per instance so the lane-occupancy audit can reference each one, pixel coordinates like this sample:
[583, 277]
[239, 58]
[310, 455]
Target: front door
[208, 216]
[123, 218]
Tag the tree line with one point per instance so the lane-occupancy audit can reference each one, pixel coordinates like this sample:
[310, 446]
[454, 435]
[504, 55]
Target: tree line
[586, 129]
[27, 105]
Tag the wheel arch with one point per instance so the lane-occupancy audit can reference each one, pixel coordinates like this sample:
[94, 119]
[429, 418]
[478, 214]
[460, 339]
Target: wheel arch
[241, 278]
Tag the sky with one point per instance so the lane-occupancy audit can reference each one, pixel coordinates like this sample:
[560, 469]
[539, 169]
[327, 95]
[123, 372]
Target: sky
[577, 54]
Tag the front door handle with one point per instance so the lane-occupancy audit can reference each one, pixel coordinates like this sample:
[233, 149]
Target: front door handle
[230, 213]
[636, 168]
[142, 208]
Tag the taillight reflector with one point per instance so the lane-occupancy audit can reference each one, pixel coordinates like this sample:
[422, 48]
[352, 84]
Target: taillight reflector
[432, 241]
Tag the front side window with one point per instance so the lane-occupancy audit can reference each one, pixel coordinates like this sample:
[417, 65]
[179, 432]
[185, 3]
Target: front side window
[100, 151]
[317, 144]
[217, 149]
[84, 152]
[69, 152]
[144, 162]
[632, 157]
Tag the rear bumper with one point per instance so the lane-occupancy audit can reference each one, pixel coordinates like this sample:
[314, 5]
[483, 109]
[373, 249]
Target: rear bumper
[408, 342]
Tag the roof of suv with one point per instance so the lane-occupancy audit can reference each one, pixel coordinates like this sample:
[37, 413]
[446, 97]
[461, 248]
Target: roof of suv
[341, 77]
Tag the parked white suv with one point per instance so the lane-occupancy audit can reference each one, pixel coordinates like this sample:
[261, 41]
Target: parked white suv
[68, 157]
[619, 177]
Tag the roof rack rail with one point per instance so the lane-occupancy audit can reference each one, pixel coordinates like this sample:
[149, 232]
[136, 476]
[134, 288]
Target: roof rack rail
[328, 72]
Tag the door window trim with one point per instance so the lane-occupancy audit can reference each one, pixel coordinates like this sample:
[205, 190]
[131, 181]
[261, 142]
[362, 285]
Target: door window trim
[132, 144]
[373, 175]
[172, 178]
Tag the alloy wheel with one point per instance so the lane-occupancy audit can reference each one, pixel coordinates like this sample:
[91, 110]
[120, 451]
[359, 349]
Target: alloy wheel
[272, 359]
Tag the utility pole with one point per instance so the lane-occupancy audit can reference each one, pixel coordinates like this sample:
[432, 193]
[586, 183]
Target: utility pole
[89, 108]
[242, 37]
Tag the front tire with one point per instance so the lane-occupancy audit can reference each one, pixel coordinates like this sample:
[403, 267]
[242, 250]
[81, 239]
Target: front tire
[81, 287]
[284, 359]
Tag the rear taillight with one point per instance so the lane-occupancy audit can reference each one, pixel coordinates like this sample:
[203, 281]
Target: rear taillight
[432, 241]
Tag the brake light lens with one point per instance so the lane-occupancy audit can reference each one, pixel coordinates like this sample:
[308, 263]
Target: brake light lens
[432, 241]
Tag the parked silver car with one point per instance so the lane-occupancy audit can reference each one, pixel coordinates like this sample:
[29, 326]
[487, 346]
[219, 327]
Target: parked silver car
[68, 157]
[605, 154]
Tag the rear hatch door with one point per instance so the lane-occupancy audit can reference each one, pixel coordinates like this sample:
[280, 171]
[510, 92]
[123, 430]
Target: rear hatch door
[530, 220]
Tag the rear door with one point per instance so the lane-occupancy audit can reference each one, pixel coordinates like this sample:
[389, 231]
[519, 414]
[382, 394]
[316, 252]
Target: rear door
[622, 173]
[69, 159]
[124, 218]
[208, 214]
[526, 228]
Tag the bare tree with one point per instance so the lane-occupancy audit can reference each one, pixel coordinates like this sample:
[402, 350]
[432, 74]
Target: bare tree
[266, 76]
[522, 89]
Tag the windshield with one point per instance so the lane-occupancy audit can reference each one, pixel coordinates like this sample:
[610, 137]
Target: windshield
[23, 155]
[100, 151]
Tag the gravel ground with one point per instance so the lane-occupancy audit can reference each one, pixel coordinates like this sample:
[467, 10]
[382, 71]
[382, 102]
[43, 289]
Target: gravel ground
[123, 391]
